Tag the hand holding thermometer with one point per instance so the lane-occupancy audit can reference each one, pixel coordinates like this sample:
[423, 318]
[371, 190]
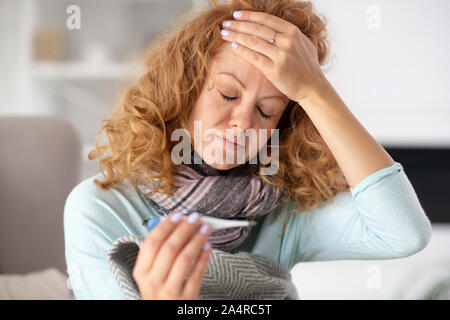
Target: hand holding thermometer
[181, 236]
[215, 223]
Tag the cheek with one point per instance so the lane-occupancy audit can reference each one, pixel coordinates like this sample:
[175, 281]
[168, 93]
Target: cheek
[208, 110]
[263, 135]
[203, 108]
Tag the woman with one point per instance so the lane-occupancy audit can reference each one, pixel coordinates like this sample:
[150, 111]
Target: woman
[348, 198]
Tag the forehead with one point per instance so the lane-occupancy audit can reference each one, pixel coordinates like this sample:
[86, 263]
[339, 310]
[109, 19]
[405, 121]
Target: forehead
[227, 60]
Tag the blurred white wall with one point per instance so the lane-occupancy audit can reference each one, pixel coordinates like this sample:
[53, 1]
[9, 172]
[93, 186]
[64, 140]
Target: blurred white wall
[9, 59]
[391, 66]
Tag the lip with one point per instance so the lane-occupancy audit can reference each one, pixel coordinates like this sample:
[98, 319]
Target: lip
[239, 145]
[226, 140]
[230, 144]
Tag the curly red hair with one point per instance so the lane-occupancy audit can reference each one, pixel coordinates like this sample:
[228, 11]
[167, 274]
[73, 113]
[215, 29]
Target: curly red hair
[139, 129]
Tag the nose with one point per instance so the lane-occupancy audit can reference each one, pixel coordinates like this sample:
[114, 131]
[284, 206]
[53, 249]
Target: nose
[241, 116]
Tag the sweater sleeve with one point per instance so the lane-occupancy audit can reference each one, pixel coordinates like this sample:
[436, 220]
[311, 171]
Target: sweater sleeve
[90, 227]
[380, 218]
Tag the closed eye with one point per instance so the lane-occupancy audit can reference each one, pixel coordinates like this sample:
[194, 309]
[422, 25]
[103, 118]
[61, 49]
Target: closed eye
[263, 115]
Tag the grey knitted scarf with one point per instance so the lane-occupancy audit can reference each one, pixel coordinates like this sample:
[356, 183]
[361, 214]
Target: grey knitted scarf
[238, 276]
[235, 193]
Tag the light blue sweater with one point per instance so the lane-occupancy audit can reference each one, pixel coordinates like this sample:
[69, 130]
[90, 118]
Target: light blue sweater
[381, 218]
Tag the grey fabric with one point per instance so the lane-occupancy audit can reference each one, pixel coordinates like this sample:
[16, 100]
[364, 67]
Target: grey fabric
[40, 164]
[236, 193]
[238, 276]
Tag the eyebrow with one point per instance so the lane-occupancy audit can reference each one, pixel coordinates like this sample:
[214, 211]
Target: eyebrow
[243, 86]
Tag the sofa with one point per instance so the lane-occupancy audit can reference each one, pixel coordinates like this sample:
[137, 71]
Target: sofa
[40, 163]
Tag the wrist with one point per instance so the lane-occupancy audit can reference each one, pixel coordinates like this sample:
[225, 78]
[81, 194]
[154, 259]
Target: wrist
[320, 92]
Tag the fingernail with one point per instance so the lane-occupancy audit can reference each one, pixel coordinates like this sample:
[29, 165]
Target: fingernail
[176, 217]
[151, 223]
[206, 246]
[226, 23]
[204, 229]
[224, 32]
[237, 14]
[193, 217]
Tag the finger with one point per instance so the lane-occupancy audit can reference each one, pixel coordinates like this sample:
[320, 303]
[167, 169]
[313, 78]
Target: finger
[194, 282]
[251, 28]
[252, 47]
[268, 20]
[172, 247]
[156, 237]
[188, 257]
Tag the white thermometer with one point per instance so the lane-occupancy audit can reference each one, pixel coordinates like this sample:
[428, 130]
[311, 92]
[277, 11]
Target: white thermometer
[215, 223]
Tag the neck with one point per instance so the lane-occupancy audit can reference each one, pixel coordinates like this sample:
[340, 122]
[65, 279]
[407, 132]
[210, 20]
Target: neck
[208, 170]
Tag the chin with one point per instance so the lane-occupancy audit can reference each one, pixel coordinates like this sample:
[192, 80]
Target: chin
[223, 166]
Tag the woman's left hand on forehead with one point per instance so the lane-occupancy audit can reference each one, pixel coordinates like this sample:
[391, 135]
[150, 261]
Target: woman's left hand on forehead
[291, 63]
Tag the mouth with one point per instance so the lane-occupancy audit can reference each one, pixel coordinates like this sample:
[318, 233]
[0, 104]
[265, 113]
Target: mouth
[234, 142]
[230, 144]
